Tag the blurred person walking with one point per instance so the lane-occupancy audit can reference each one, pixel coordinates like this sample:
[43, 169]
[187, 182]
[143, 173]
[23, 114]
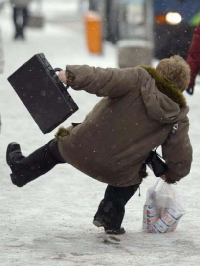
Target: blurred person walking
[138, 110]
[193, 59]
[20, 17]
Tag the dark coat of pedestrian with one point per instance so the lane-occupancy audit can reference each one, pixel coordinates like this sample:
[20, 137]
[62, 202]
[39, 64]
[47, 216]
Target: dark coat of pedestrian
[193, 58]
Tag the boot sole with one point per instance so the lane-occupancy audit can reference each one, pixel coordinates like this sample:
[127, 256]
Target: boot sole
[14, 180]
[115, 232]
[109, 231]
[11, 147]
[97, 223]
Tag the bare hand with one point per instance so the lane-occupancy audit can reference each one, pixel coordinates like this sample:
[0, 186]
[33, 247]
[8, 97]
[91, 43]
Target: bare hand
[62, 76]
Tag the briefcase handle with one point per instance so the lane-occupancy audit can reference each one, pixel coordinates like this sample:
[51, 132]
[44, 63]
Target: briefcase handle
[57, 69]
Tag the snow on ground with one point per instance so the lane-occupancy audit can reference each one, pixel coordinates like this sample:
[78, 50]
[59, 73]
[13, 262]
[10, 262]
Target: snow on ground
[49, 221]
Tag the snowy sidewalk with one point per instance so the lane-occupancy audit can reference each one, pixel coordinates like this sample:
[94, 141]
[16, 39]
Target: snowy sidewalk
[49, 221]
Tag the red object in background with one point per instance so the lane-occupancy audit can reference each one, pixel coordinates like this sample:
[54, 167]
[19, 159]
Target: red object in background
[160, 18]
[93, 24]
[193, 58]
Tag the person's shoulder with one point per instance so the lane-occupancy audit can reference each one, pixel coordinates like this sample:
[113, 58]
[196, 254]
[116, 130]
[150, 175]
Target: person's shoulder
[142, 71]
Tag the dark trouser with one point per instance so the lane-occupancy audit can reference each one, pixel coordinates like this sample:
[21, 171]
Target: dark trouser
[111, 209]
[26, 169]
[20, 18]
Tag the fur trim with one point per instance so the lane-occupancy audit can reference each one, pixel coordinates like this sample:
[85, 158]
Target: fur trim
[62, 132]
[166, 87]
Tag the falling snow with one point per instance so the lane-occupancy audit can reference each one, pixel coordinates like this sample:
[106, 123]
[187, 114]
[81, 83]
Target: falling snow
[49, 222]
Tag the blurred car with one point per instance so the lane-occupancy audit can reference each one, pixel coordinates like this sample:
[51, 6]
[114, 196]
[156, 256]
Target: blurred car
[174, 23]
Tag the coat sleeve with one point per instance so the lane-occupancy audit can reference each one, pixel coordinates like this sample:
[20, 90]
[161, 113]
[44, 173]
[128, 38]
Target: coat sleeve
[193, 58]
[111, 82]
[177, 152]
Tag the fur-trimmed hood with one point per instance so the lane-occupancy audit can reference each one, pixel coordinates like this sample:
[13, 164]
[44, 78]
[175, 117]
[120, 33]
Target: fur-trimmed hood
[163, 100]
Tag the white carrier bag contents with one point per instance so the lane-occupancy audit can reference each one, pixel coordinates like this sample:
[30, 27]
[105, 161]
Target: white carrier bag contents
[163, 208]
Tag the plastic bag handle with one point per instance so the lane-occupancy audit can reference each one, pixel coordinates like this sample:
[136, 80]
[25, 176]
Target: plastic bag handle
[159, 180]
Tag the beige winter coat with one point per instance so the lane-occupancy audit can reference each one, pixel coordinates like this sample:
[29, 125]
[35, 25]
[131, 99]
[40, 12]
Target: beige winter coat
[133, 118]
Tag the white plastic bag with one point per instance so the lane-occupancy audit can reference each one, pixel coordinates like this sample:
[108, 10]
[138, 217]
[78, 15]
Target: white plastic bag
[163, 208]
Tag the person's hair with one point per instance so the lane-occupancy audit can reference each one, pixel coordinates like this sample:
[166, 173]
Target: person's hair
[176, 70]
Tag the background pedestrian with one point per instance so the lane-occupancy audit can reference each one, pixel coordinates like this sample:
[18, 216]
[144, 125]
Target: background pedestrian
[193, 58]
[20, 17]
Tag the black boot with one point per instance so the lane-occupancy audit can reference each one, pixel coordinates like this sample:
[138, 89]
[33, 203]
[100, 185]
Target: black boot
[110, 217]
[26, 169]
[111, 209]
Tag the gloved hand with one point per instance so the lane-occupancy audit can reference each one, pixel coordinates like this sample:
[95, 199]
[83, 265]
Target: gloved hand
[190, 91]
[167, 180]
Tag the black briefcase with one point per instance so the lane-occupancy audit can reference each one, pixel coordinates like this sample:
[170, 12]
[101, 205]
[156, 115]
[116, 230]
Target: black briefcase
[43, 94]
